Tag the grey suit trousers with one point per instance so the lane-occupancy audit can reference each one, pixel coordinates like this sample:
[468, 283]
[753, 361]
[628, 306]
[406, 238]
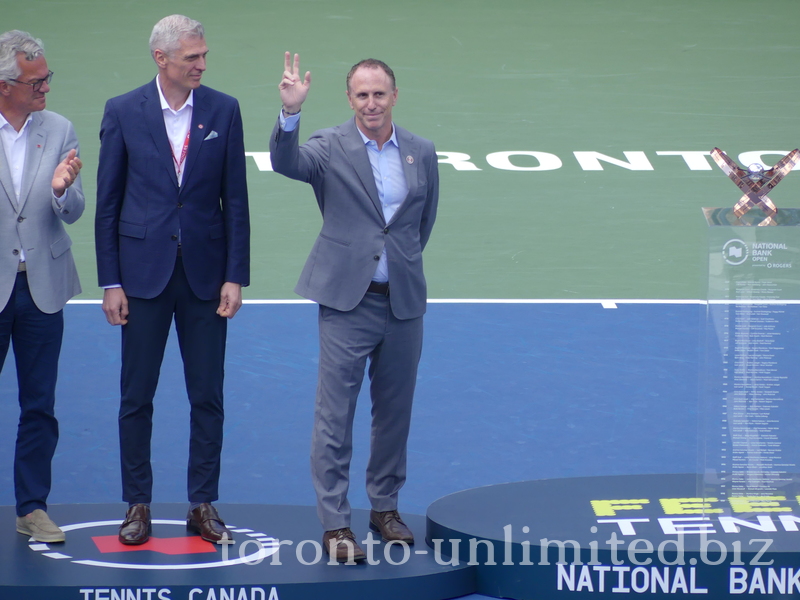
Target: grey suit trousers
[393, 346]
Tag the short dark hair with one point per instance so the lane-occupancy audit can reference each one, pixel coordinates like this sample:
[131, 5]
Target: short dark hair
[371, 63]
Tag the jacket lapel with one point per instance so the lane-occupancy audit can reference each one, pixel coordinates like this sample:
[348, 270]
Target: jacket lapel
[198, 129]
[37, 136]
[154, 119]
[5, 179]
[356, 153]
[409, 154]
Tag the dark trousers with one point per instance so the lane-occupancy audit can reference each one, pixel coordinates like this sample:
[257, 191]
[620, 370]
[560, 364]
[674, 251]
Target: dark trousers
[201, 337]
[37, 345]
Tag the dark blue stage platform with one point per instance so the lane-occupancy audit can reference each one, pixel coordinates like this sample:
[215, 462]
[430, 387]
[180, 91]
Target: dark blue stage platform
[599, 537]
[277, 555]
[590, 537]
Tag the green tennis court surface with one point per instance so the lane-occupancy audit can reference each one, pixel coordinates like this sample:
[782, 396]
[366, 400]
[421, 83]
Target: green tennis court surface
[571, 128]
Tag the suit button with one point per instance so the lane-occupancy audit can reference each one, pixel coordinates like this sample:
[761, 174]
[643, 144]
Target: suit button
[180, 205]
[174, 238]
[376, 257]
[20, 219]
[386, 230]
[15, 252]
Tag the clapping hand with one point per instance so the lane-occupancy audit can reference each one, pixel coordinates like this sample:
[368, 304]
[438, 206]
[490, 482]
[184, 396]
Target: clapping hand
[66, 172]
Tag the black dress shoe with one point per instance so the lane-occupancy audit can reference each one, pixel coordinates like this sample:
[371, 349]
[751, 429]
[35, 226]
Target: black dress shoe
[206, 521]
[342, 543]
[136, 527]
[390, 526]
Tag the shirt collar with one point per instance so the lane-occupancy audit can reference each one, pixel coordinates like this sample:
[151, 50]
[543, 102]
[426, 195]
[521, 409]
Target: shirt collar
[392, 138]
[4, 122]
[165, 104]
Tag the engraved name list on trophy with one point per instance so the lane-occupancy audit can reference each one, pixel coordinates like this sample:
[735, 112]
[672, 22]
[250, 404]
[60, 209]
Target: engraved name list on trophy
[750, 382]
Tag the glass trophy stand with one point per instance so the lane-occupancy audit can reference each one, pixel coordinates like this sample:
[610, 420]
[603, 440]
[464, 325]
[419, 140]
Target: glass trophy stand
[750, 377]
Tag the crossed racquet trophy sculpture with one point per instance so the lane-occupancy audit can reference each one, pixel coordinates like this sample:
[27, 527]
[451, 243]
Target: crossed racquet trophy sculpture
[756, 183]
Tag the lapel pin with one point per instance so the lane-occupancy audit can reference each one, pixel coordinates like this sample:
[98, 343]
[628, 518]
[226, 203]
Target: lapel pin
[410, 159]
[200, 126]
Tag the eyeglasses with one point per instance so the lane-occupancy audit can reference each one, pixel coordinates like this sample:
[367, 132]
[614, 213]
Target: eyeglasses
[36, 84]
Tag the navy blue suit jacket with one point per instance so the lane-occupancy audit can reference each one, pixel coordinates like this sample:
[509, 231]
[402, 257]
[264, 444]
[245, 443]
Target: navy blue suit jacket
[141, 210]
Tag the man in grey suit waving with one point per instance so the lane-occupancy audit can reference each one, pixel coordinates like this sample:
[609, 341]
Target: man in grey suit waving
[39, 191]
[377, 186]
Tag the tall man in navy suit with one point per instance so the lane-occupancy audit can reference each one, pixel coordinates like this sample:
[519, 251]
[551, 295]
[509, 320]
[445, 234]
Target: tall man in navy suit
[377, 186]
[172, 237]
[40, 190]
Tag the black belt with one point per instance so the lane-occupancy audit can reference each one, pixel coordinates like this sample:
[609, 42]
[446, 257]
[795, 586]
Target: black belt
[377, 287]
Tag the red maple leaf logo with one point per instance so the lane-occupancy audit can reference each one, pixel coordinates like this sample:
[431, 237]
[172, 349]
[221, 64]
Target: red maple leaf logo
[172, 546]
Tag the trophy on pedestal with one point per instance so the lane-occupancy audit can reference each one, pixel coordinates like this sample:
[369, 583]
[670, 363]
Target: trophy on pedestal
[749, 382]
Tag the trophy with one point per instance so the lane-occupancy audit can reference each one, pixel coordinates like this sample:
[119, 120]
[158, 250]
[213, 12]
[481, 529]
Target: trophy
[756, 183]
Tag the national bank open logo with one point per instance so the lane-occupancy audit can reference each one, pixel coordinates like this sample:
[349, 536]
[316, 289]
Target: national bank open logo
[735, 252]
[169, 548]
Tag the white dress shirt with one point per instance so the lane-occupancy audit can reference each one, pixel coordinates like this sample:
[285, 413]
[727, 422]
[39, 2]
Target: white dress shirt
[177, 124]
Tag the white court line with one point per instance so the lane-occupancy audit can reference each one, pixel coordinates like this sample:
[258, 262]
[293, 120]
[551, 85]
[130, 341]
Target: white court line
[300, 301]
[605, 303]
[475, 301]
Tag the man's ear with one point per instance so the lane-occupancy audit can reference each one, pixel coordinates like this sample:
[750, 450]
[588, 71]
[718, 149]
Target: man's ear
[160, 57]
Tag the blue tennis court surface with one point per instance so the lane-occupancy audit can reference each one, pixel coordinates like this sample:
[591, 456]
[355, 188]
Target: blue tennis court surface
[506, 392]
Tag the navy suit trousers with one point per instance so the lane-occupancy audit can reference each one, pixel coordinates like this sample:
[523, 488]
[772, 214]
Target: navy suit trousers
[201, 337]
[36, 339]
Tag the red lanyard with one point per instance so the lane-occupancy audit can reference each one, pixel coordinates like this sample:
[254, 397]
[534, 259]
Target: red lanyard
[179, 163]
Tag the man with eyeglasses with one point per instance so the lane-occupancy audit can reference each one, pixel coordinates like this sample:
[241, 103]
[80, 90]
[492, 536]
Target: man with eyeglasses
[172, 235]
[40, 190]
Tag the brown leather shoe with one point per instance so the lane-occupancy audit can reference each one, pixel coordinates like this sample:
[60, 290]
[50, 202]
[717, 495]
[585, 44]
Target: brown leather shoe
[344, 546]
[390, 526]
[136, 527]
[206, 521]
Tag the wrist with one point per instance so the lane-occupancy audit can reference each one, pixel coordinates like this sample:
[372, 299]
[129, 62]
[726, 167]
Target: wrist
[290, 113]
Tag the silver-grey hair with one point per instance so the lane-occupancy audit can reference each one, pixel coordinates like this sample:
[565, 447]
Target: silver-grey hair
[169, 31]
[13, 43]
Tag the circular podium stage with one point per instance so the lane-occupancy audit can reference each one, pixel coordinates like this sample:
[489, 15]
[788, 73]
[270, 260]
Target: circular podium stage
[594, 537]
[277, 555]
[599, 537]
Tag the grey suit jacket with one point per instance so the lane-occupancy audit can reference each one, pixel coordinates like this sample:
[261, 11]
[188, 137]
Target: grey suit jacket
[36, 223]
[346, 252]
